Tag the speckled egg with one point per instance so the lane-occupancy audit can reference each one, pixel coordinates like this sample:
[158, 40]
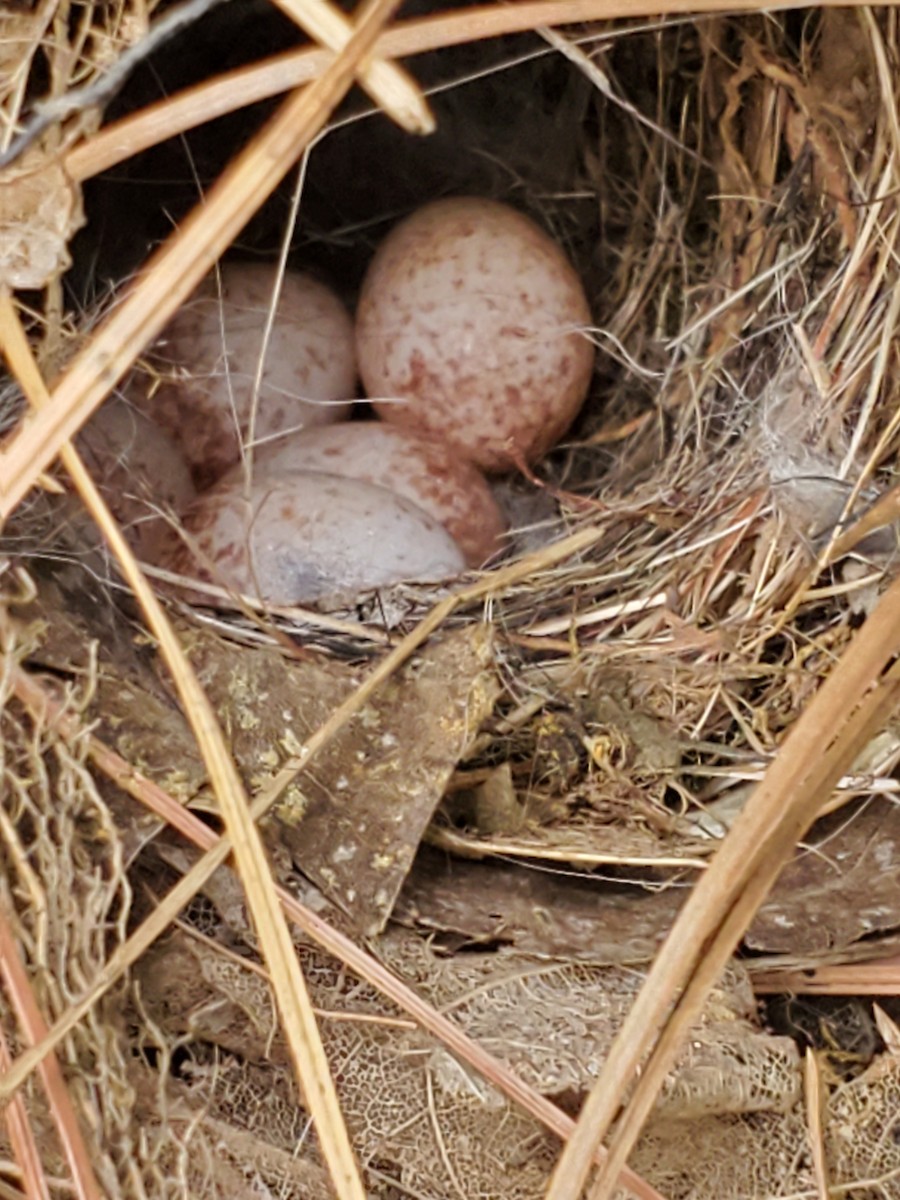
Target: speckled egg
[309, 538]
[472, 327]
[207, 359]
[139, 470]
[430, 474]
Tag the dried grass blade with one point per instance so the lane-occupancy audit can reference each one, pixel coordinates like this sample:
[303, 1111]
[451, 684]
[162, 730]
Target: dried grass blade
[814, 1103]
[34, 1027]
[45, 707]
[217, 852]
[854, 701]
[889, 1030]
[880, 977]
[173, 273]
[864, 722]
[278, 74]
[388, 85]
[885, 511]
[22, 1140]
[294, 1006]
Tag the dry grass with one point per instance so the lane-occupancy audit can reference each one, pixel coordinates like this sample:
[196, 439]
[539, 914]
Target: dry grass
[751, 434]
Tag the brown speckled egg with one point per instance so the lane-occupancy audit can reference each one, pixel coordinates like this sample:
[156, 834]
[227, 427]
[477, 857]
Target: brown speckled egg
[310, 538]
[139, 469]
[208, 356]
[425, 471]
[468, 329]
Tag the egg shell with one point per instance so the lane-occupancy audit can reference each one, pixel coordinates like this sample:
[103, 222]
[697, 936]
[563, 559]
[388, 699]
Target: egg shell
[139, 470]
[207, 359]
[431, 475]
[466, 329]
[305, 538]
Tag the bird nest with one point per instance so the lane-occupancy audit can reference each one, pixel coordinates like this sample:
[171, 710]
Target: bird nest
[441, 894]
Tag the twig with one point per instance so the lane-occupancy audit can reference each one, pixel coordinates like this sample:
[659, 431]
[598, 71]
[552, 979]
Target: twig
[277, 74]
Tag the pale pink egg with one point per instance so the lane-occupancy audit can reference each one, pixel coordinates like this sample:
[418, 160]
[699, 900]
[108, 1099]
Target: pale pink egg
[309, 538]
[425, 471]
[139, 470]
[208, 358]
[472, 326]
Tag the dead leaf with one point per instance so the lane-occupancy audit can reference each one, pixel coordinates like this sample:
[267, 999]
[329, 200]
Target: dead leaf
[537, 911]
[842, 886]
[40, 210]
[353, 821]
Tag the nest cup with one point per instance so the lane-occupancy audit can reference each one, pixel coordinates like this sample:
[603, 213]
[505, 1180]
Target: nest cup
[724, 187]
